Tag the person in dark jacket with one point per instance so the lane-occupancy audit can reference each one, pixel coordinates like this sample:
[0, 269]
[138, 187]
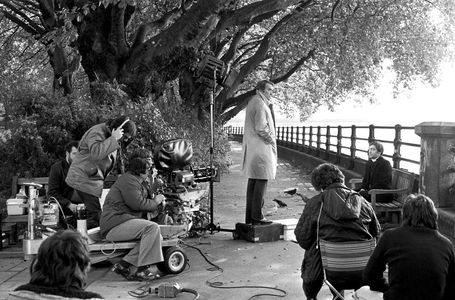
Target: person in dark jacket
[341, 215]
[58, 187]
[121, 219]
[421, 261]
[378, 174]
[59, 270]
[95, 159]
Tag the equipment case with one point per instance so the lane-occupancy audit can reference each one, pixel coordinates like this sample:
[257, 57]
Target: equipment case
[259, 233]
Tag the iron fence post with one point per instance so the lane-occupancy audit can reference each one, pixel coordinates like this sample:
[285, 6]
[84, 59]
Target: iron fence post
[327, 143]
[353, 147]
[303, 138]
[396, 157]
[310, 141]
[339, 137]
[371, 134]
[318, 142]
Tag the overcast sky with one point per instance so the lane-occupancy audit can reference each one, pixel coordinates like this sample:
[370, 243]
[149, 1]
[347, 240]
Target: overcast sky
[409, 109]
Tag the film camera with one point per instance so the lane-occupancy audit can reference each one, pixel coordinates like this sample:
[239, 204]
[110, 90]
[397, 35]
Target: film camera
[183, 184]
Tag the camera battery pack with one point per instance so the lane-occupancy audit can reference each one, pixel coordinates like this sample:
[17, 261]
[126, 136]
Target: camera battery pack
[259, 233]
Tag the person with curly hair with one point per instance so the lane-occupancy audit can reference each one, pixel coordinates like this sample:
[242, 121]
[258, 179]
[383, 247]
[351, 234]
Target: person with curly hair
[59, 270]
[121, 220]
[336, 214]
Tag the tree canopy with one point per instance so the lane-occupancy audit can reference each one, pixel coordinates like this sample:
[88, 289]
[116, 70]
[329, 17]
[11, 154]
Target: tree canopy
[151, 50]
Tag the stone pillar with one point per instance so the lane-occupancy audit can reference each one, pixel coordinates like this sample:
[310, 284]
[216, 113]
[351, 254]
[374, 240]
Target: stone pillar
[437, 162]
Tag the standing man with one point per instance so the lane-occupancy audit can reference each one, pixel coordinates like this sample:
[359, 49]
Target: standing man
[57, 185]
[378, 174]
[259, 151]
[95, 159]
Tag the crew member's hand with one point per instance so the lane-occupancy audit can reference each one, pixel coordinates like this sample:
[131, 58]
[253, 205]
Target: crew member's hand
[118, 132]
[159, 199]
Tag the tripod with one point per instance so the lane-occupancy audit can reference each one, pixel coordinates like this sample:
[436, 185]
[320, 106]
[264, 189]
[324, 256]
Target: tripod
[212, 85]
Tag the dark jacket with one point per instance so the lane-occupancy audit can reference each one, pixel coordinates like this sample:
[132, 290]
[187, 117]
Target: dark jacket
[421, 265]
[378, 175]
[341, 220]
[57, 185]
[96, 157]
[37, 292]
[127, 199]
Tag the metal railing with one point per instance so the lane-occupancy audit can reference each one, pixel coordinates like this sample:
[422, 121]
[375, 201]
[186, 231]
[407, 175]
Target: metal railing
[351, 141]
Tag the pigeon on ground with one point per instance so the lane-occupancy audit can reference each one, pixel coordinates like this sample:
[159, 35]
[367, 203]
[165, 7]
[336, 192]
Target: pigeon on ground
[290, 191]
[280, 203]
[293, 191]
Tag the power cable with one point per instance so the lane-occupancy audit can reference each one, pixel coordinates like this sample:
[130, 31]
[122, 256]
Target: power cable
[219, 284]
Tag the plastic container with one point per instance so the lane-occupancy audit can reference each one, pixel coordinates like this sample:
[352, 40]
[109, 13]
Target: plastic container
[50, 215]
[288, 228]
[13, 206]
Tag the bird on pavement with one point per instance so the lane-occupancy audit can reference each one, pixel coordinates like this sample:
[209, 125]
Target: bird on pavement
[280, 203]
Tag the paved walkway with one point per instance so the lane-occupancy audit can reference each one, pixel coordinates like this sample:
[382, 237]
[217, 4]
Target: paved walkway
[273, 264]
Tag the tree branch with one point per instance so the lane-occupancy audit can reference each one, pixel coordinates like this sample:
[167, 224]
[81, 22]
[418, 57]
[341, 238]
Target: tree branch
[48, 17]
[26, 19]
[256, 11]
[230, 53]
[238, 104]
[257, 57]
[20, 23]
[117, 36]
[166, 19]
[296, 66]
[333, 8]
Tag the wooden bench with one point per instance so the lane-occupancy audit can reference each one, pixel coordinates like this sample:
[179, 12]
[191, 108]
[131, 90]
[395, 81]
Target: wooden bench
[403, 184]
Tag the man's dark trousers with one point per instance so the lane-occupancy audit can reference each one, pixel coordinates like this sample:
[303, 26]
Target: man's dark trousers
[92, 206]
[255, 192]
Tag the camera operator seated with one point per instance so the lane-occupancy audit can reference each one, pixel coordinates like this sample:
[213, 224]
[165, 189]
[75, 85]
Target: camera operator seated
[121, 220]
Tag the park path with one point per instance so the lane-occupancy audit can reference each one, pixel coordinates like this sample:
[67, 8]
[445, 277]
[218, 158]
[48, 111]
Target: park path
[272, 264]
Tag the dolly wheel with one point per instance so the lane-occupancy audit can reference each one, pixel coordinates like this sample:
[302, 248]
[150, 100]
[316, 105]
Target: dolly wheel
[174, 261]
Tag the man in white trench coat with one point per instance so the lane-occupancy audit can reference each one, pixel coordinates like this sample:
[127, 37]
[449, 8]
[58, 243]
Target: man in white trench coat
[259, 151]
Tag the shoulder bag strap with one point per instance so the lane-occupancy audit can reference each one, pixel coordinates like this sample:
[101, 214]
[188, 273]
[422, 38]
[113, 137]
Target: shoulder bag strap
[317, 222]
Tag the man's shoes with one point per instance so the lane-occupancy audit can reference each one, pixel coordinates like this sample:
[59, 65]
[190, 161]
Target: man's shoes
[119, 269]
[262, 222]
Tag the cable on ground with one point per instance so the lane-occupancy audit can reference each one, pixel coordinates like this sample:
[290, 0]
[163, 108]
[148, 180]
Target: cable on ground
[219, 284]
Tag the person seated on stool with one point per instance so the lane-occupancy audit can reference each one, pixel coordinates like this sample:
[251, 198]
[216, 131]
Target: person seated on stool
[121, 219]
[58, 187]
[420, 260]
[337, 214]
[59, 270]
[378, 174]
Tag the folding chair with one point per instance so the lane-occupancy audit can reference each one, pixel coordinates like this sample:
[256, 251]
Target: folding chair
[345, 260]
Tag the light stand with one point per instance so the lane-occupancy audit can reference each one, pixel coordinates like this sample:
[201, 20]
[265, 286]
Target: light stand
[209, 76]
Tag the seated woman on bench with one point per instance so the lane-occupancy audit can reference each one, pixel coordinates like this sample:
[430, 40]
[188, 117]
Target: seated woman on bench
[121, 220]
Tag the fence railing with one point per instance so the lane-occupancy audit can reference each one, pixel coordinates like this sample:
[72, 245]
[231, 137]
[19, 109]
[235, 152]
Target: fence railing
[401, 144]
